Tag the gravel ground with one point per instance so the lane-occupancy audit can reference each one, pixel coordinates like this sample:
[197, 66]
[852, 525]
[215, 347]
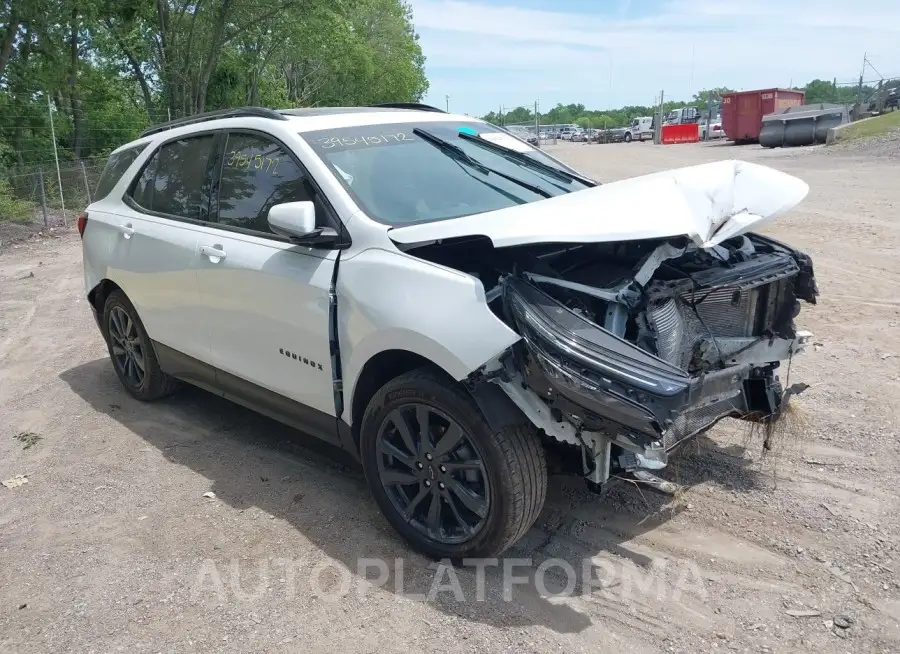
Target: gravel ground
[111, 545]
[876, 147]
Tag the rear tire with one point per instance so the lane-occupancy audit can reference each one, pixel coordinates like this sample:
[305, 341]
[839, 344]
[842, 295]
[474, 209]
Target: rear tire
[456, 488]
[131, 351]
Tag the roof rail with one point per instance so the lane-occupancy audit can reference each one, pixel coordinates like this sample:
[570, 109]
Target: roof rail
[409, 105]
[240, 112]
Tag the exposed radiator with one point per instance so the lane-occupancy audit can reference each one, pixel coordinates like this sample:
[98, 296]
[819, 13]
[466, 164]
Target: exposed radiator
[722, 312]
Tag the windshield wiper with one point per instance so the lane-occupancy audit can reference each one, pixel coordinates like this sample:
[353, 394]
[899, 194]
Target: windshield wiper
[460, 155]
[523, 158]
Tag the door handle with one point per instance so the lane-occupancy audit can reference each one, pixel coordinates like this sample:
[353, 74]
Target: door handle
[215, 253]
[127, 230]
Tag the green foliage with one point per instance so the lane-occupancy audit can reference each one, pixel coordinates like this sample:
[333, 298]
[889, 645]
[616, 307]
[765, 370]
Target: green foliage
[702, 98]
[107, 69]
[13, 209]
[112, 67]
[820, 90]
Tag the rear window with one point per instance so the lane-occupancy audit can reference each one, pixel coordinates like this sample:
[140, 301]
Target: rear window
[172, 182]
[115, 167]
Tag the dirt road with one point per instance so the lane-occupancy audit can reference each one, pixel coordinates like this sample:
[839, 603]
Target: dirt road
[112, 546]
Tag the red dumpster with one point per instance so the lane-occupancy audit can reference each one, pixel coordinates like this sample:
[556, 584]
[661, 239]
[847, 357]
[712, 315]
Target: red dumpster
[742, 111]
[686, 133]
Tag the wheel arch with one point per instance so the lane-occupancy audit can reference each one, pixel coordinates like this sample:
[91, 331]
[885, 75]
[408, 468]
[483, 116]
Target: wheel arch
[378, 371]
[97, 295]
[498, 410]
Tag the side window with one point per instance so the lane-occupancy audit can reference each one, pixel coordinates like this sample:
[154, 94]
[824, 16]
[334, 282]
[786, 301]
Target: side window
[257, 174]
[172, 181]
[115, 167]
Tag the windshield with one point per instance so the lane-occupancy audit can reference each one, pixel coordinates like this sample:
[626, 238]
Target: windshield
[398, 177]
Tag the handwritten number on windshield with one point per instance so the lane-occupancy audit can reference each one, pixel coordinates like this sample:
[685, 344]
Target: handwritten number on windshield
[329, 142]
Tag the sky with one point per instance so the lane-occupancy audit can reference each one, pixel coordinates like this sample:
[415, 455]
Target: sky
[610, 53]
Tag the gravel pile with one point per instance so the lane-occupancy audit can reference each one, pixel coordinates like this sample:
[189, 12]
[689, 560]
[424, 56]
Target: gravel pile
[880, 146]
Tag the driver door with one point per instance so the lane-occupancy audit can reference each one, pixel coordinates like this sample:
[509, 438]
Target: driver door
[266, 300]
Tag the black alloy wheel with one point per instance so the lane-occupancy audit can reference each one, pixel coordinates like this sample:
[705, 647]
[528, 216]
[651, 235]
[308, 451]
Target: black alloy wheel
[131, 350]
[451, 484]
[125, 347]
[433, 473]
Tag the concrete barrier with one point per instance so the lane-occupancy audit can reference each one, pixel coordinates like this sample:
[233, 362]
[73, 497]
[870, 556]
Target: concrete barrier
[686, 133]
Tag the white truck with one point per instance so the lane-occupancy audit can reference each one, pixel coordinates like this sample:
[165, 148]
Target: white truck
[639, 129]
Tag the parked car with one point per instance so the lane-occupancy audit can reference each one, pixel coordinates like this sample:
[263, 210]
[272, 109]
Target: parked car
[715, 130]
[583, 136]
[440, 299]
[612, 135]
[522, 133]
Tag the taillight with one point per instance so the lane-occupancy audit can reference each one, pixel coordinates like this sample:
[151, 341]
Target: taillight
[82, 223]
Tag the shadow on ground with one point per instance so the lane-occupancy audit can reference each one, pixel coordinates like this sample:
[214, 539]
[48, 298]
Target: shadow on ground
[252, 461]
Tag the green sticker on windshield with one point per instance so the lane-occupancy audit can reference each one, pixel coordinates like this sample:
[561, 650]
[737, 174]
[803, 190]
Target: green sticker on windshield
[467, 130]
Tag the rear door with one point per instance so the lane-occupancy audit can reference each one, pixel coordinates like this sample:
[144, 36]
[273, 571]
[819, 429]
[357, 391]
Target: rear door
[265, 300]
[156, 243]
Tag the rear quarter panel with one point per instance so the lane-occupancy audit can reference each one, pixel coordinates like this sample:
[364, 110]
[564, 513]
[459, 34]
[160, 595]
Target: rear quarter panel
[96, 248]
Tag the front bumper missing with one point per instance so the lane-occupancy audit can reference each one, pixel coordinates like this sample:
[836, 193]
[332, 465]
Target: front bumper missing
[609, 392]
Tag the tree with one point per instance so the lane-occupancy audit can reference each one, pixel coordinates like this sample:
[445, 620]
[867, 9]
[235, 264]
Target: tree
[111, 67]
[702, 99]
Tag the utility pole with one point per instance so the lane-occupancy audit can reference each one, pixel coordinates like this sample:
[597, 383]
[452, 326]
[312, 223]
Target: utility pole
[501, 115]
[657, 136]
[692, 71]
[447, 98]
[537, 124]
[709, 104]
[62, 202]
[859, 90]
[609, 99]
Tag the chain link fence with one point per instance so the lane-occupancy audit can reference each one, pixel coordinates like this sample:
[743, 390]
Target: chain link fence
[43, 195]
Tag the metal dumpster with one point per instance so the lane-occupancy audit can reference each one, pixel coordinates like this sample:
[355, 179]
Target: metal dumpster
[742, 111]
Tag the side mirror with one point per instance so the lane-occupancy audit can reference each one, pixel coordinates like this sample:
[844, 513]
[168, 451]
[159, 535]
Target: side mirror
[293, 219]
[297, 221]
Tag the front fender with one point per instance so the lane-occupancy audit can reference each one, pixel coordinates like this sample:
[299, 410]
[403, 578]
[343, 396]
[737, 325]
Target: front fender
[394, 301]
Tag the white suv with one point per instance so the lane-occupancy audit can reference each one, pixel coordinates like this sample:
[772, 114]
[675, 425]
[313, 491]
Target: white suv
[443, 300]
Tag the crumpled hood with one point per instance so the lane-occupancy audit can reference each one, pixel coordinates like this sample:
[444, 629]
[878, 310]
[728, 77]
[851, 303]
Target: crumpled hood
[708, 203]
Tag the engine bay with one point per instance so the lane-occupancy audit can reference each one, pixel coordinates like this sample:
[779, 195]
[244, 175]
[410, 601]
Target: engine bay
[699, 309]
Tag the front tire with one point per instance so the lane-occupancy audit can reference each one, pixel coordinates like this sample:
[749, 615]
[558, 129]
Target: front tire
[448, 483]
[131, 351]
[628, 138]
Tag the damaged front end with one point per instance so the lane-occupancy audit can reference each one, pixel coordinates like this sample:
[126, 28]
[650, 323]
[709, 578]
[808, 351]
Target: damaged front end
[631, 348]
[648, 310]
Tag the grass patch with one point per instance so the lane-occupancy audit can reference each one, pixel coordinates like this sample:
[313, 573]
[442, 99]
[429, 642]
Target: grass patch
[28, 439]
[887, 122]
[12, 209]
